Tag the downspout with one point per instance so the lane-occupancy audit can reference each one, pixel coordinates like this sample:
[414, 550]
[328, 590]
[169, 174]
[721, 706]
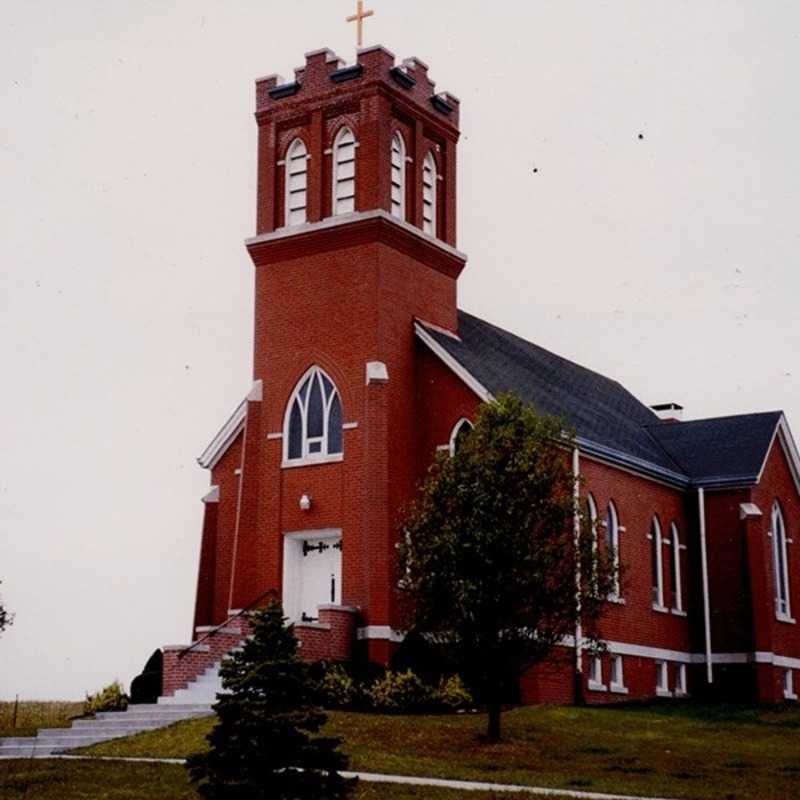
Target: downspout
[576, 532]
[701, 504]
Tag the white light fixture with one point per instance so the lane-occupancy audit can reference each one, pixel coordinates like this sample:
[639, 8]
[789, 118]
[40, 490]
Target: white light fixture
[305, 502]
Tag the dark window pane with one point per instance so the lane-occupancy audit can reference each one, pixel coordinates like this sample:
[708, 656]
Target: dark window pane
[328, 387]
[314, 447]
[335, 427]
[295, 432]
[673, 575]
[463, 431]
[654, 560]
[315, 411]
[304, 390]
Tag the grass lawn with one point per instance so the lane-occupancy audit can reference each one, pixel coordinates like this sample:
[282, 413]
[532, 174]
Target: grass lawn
[103, 780]
[34, 715]
[672, 750]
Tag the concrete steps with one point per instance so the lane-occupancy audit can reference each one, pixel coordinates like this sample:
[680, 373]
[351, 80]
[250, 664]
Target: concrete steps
[203, 689]
[107, 725]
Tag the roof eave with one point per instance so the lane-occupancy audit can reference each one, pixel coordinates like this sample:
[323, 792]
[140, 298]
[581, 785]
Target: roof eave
[225, 437]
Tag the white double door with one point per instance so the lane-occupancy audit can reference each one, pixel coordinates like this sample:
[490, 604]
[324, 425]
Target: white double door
[312, 573]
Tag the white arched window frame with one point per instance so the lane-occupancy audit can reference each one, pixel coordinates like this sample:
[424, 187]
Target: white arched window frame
[613, 528]
[296, 194]
[398, 176]
[312, 429]
[657, 564]
[591, 515]
[675, 572]
[429, 194]
[460, 429]
[780, 560]
[344, 172]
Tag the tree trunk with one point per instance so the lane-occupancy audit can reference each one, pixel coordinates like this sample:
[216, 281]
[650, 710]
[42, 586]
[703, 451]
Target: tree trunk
[493, 730]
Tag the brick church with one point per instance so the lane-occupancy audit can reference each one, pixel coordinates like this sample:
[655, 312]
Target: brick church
[364, 367]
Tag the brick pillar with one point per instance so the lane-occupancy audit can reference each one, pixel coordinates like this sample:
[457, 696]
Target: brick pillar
[342, 622]
[247, 579]
[206, 575]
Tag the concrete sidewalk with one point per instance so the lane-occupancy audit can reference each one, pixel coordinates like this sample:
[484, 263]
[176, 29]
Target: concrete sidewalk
[375, 777]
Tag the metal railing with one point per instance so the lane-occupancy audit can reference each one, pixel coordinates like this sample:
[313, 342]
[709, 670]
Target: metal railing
[240, 613]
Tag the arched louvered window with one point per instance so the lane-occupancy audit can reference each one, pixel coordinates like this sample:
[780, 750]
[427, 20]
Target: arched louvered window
[429, 188]
[675, 570]
[780, 559]
[313, 426]
[398, 177]
[344, 172]
[460, 431]
[656, 562]
[612, 526]
[296, 183]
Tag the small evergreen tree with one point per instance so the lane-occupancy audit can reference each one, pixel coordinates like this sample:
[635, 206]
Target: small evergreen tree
[262, 747]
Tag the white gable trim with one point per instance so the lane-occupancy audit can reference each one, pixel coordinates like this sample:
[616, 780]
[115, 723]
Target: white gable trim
[224, 439]
[483, 393]
[784, 435]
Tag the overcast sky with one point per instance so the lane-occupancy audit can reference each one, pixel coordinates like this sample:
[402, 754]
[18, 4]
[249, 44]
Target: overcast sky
[629, 197]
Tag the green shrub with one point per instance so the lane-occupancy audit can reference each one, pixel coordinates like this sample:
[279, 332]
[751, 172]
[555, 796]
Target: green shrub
[112, 698]
[451, 694]
[337, 689]
[400, 692]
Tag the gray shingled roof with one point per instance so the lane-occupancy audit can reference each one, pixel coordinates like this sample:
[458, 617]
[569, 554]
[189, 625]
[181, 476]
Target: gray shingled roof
[721, 450]
[608, 419]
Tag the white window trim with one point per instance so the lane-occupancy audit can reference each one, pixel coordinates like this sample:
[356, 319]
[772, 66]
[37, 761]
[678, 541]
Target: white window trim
[662, 679]
[398, 138]
[681, 684]
[307, 459]
[618, 687]
[595, 671]
[451, 447]
[591, 506]
[781, 576]
[287, 178]
[429, 165]
[658, 601]
[335, 170]
[615, 595]
[789, 692]
[677, 589]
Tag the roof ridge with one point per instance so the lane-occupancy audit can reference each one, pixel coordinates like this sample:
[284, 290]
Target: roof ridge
[685, 423]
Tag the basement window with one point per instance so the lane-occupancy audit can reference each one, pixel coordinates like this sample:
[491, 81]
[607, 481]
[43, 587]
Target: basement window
[662, 679]
[617, 683]
[596, 675]
[788, 685]
[681, 685]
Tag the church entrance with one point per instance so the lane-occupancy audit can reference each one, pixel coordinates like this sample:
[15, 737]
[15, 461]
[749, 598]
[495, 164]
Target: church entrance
[312, 573]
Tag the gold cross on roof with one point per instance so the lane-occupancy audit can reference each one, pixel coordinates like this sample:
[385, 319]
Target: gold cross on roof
[359, 18]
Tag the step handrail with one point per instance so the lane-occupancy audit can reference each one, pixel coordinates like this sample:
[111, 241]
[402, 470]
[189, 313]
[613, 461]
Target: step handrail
[240, 613]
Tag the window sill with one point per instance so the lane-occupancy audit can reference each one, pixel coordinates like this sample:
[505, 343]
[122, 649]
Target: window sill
[789, 696]
[594, 686]
[679, 693]
[620, 601]
[663, 693]
[679, 612]
[312, 462]
[660, 609]
[617, 689]
[786, 618]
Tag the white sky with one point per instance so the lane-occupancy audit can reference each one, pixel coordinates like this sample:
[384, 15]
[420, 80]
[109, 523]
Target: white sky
[127, 180]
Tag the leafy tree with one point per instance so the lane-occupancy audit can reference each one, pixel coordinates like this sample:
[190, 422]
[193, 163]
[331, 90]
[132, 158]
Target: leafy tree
[6, 618]
[500, 565]
[261, 746]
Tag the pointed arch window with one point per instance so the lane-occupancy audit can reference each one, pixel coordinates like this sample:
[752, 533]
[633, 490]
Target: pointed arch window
[675, 569]
[313, 425]
[344, 172]
[398, 176]
[783, 607]
[657, 566]
[429, 189]
[591, 516]
[461, 430]
[296, 183]
[612, 526]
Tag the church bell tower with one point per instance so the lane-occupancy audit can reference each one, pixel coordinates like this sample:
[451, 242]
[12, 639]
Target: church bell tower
[355, 241]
